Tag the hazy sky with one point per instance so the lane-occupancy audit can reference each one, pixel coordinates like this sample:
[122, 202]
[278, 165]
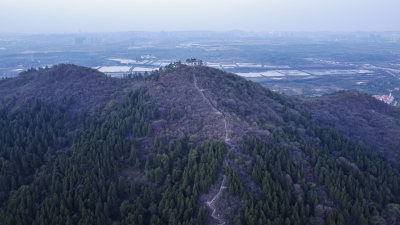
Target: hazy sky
[65, 16]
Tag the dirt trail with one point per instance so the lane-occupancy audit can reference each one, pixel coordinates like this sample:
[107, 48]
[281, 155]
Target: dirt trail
[210, 203]
[215, 110]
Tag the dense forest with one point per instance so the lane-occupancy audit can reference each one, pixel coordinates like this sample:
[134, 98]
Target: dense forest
[116, 165]
[81, 184]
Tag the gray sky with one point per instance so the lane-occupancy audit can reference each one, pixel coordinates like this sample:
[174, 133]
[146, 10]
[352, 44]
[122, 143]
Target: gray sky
[66, 16]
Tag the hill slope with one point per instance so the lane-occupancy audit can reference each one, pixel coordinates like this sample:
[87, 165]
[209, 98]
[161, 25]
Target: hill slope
[189, 145]
[361, 118]
[87, 87]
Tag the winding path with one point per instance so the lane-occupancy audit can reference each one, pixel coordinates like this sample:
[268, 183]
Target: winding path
[215, 110]
[210, 203]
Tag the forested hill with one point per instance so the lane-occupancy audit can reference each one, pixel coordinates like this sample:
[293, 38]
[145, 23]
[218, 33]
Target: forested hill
[361, 118]
[87, 87]
[191, 145]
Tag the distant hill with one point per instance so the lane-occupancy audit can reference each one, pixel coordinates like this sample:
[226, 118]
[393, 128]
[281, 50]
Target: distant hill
[360, 117]
[87, 87]
[191, 145]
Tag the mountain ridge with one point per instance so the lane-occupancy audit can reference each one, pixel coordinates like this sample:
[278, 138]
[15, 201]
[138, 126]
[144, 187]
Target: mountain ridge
[377, 123]
[185, 136]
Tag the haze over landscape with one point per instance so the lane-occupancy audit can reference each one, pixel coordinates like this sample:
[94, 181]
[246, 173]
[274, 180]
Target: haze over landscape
[200, 112]
[72, 16]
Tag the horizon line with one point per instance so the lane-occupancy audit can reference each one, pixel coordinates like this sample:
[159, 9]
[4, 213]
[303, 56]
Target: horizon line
[209, 31]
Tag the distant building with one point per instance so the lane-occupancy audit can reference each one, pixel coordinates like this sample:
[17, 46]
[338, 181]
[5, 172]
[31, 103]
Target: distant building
[194, 62]
[79, 40]
[147, 57]
[388, 99]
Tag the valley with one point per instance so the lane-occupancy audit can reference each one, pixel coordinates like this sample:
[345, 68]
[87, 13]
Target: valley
[305, 64]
